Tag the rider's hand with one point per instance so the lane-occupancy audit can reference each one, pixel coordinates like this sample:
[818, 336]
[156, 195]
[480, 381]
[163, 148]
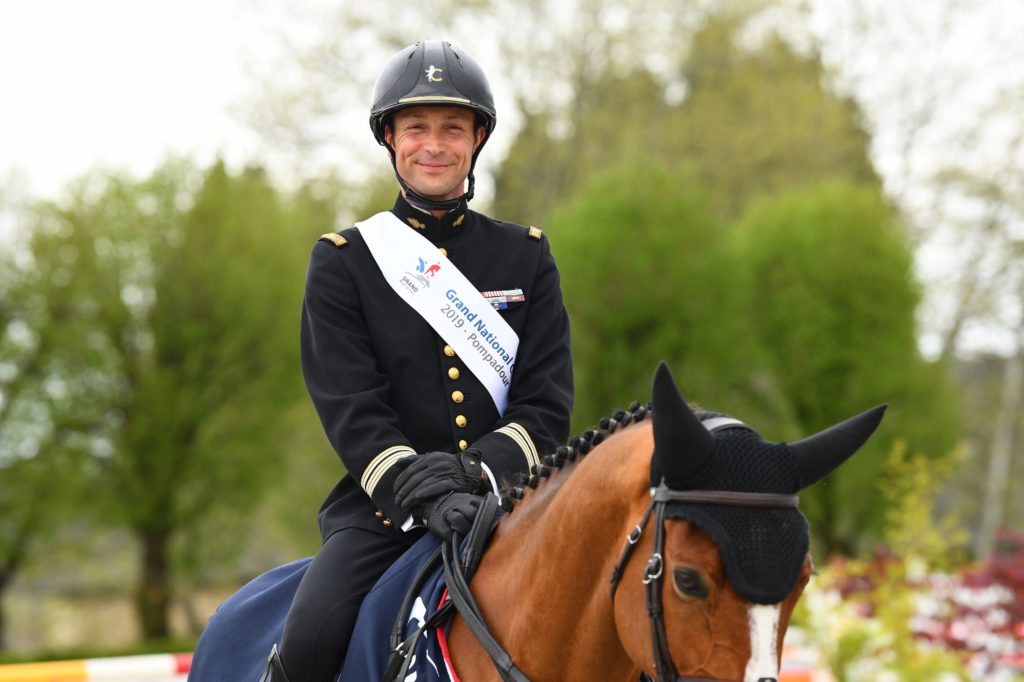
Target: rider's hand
[435, 473]
[451, 513]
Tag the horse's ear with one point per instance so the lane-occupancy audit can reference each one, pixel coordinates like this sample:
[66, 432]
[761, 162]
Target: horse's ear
[682, 445]
[819, 455]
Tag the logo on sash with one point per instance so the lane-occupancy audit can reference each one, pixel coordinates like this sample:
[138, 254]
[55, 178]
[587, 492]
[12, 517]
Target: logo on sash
[423, 272]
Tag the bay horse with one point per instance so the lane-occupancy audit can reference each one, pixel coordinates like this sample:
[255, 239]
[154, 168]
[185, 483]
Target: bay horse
[733, 550]
[668, 548]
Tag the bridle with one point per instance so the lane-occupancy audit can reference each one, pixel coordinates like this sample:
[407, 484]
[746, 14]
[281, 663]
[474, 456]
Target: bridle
[654, 571]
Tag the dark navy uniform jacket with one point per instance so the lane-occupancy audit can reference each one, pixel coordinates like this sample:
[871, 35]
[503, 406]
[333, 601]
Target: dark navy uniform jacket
[386, 386]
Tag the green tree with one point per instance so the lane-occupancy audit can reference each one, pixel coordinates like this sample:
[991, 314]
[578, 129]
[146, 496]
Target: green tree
[219, 365]
[758, 119]
[647, 276]
[303, 466]
[743, 118]
[799, 316]
[190, 291]
[550, 159]
[55, 386]
[832, 300]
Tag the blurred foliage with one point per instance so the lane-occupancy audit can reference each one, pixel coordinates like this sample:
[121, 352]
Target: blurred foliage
[797, 317]
[203, 420]
[59, 380]
[550, 158]
[647, 275]
[866, 636]
[756, 118]
[914, 609]
[831, 300]
[979, 381]
[185, 291]
[914, 524]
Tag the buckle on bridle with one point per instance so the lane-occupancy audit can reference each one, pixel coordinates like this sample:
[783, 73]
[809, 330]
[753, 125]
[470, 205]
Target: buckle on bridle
[634, 535]
[654, 569]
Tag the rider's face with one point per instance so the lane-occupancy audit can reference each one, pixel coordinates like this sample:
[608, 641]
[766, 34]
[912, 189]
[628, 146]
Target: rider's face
[434, 148]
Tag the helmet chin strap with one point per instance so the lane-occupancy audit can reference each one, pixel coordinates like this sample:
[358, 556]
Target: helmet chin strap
[433, 204]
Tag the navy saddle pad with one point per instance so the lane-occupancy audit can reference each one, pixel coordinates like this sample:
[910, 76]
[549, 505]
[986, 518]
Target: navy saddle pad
[236, 641]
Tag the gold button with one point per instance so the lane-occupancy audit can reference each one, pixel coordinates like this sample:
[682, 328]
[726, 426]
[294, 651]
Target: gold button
[453, 373]
[449, 351]
[461, 421]
[444, 251]
[387, 523]
[463, 445]
[457, 396]
[379, 514]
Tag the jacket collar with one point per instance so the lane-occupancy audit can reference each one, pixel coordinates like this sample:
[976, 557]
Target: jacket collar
[448, 226]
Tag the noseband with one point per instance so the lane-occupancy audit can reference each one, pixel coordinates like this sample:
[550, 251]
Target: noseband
[655, 569]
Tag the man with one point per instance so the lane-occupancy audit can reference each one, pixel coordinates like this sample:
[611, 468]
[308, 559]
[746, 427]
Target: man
[435, 348]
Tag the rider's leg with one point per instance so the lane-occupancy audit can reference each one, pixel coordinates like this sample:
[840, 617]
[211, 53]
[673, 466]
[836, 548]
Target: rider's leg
[324, 611]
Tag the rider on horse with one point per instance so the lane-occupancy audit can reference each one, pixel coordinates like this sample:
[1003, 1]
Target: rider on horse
[432, 391]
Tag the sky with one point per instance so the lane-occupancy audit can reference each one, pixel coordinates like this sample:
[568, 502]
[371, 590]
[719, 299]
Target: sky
[118, 83]
[123, 83]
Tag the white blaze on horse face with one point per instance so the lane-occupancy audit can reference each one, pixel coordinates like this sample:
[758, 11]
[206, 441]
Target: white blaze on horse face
[764, 635]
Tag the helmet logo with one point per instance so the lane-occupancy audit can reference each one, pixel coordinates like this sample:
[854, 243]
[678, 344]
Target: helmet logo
[431, 74]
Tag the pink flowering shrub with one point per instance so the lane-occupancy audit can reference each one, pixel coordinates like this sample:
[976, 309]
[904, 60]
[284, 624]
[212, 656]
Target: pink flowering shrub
[980, 612]
[891, 618]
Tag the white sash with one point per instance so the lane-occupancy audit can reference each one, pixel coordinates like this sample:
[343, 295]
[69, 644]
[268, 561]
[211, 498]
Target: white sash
[449, 302]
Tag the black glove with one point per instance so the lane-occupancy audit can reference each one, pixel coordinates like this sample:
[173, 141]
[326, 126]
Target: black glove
[451, 513]
[435, 473]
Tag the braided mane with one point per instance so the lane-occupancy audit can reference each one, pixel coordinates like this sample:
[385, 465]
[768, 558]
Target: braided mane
[575, 448]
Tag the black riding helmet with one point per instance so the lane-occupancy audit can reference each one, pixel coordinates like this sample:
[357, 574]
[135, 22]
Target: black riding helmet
[438, 73]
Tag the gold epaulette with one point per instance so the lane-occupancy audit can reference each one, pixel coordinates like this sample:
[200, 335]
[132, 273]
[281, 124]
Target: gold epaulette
[534, 233]
[334, 238]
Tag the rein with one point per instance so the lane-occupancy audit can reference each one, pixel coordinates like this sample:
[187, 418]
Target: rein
[459, 567]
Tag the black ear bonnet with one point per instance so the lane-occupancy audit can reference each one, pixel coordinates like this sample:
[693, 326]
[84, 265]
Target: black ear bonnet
[762, 550]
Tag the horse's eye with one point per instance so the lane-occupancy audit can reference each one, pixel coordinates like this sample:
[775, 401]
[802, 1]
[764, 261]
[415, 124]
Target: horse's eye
[689, 583]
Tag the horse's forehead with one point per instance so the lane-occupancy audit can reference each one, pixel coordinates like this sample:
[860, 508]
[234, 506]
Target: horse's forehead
[743, 461]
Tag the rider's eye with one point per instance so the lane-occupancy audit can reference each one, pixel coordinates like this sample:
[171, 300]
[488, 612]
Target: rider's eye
[689, 583]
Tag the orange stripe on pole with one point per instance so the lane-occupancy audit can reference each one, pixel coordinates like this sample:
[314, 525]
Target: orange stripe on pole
[57, 671]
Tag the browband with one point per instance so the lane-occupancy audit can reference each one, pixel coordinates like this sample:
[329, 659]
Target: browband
[724, 497]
